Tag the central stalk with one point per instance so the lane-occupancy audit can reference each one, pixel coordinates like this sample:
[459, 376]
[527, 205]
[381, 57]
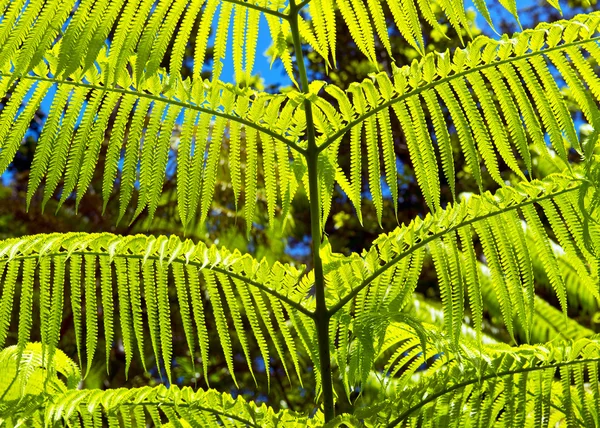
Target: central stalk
[322, 316]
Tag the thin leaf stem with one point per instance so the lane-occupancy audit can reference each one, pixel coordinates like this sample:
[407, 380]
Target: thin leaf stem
[231, 117]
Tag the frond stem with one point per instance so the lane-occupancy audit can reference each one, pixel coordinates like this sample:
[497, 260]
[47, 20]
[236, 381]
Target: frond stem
[248, 281]
[234, 118]
[264, 10]
[340, 133]
[433, 237]
[435, 396]
[192, 406]
[321, 317]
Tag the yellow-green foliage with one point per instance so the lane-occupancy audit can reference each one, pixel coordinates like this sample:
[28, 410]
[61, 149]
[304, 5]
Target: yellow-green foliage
[356, 319]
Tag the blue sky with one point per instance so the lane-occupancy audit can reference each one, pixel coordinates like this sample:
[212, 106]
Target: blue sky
[262, 66]
[276, 74]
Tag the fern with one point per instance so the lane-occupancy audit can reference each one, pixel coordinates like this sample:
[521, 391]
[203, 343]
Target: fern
[455, 81]
[354, 318]
[27, 380]
[142, 267]
[75, 159]
[506, 386]
[391, 268]
[459, 80]
[64, 402]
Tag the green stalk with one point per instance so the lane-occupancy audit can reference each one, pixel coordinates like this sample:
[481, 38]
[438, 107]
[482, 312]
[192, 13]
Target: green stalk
[321, 315]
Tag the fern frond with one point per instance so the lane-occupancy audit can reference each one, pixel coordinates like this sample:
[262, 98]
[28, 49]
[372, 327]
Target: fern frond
[146, 29]
[239, 288]
[178, 407]
[430, 312]
[499, 385]
[546, 323]
[427, 379]
[518, 72]
[365, 22]
[26, 382]
[549, 323]
[32, 396]
[383, 279]
[463, 83]
[141, 28]
[70, 153]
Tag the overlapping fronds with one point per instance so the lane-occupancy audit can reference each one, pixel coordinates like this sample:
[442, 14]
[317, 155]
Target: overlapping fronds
[210, 119]
[144, 28]
[426, 380]
[26, 381]
[382, 280]
[430, 312]
[128, 280]
[99, 64]
[542, 385]
[31, 398]
[147, 28]
[582, 292]
[504, 98]
[492, 90]
[547, 322]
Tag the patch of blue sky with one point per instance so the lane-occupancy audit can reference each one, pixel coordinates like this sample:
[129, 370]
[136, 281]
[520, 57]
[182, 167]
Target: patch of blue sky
[500, 13]
[7, 178]
[298, 249]
[271, 74]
